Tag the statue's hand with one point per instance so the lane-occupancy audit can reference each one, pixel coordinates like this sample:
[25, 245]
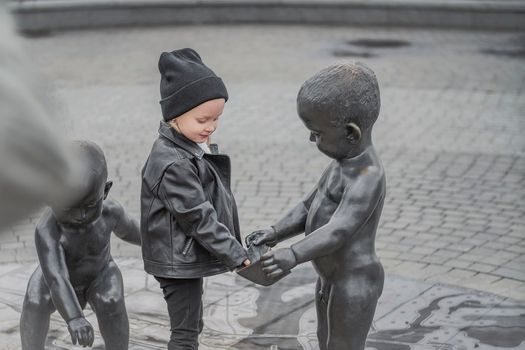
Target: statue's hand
[278, 262]
[81, 331]
[268, 236]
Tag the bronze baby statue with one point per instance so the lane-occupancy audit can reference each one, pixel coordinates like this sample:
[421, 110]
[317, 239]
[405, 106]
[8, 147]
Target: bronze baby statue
[339, 106]
[76, 267]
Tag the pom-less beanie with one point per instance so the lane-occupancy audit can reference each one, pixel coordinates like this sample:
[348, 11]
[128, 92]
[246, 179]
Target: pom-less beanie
[186, 82]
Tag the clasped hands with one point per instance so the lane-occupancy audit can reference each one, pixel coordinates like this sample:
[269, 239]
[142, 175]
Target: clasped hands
[275, 262]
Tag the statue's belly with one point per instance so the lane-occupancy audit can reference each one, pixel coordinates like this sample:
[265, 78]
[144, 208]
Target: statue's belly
[321, 210]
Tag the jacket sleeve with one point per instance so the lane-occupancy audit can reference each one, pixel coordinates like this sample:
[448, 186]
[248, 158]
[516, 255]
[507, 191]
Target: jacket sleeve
[181, 192]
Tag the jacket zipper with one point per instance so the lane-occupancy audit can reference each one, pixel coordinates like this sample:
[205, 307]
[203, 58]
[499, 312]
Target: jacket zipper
[187, 247]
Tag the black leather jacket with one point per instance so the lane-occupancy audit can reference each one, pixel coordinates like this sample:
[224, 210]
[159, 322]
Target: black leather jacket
[189, 222]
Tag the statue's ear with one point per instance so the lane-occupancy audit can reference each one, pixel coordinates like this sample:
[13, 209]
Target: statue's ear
[107, 187]
[353, 132]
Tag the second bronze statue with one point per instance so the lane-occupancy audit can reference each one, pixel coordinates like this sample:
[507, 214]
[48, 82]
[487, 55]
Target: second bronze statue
[339, 106]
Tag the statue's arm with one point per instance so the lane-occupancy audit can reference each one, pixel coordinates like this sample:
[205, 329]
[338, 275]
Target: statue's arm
[293, 222]
[357, 205]
[126, 228]
[53, 263]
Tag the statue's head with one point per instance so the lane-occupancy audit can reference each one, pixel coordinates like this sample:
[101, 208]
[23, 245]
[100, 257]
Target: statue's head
[89, 186]
[339, 105]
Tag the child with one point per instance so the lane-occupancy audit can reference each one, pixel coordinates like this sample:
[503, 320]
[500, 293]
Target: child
[76, 267]
[338, 105]
[189, 221]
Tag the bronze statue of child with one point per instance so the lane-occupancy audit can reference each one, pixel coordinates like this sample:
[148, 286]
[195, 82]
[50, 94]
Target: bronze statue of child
[339, 106]
[76, 267]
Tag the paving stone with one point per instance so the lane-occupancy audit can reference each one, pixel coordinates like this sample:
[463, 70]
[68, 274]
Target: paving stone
[511, 273]
[480, 266]
[462, 264]
[426, 236]
[483, 251]
[450, 254]
[509, 240]
[471, 257]
[441, 230]
[437, 244]
[499, 259]
[452, 240]
[495, 245]
[517, 248]
[413, 257]
[454, 276]
[435, 259]
[479, 281]
[386, 253]
[483, 236]
[515, 293]
[423, 250]
[463, 234]
[504, 285]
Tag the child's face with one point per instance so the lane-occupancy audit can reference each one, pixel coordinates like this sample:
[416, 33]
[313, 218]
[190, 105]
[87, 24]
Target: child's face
[87, 208]
[330, 139]
[199, 123]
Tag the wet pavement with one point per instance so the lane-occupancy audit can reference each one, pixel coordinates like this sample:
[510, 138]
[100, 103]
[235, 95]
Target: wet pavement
[450, 135]
[411, 315]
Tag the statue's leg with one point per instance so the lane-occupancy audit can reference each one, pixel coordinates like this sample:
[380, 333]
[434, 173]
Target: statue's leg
[36, 310]
[351, 308]
[106, 297]
[321, 305]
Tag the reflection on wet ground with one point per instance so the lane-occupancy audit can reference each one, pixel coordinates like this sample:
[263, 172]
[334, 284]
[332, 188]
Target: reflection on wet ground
[411, 315]
[414, 316]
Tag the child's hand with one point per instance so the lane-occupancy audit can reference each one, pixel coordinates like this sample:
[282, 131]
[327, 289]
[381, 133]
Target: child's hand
[245, 263]
[81, 331]
[268, 236]
[278, 262]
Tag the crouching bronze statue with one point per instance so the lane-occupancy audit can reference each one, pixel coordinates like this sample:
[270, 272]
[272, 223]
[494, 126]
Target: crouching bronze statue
[76, 267]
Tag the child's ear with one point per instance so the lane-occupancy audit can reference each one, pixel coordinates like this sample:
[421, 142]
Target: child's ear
[353, 132]
[107, 187]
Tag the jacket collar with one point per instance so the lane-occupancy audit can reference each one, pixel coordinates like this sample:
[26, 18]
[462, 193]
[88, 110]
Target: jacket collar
[180, 140]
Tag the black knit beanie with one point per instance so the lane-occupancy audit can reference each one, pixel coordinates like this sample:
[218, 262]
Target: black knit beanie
[186, 82]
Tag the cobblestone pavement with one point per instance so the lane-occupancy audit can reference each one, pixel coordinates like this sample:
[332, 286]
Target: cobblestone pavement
[450, 132]
[410, 315]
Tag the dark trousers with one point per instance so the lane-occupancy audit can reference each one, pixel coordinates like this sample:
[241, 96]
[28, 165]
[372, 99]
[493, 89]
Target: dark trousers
[184, 299]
